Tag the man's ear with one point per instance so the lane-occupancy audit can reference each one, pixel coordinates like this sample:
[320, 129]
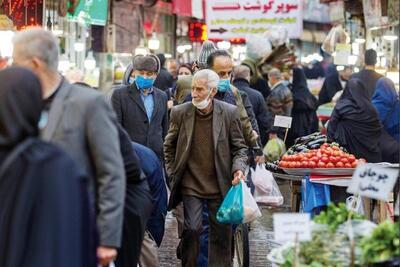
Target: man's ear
[213, 92]
[37, 63]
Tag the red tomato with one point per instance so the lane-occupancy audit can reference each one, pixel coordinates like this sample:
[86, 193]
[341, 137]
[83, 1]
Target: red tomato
[339, 164]
[336, 148]
[321, 164]
[298, 164]
[330, 165]
[304, 164]
[325, 159]
[351, 158]
[312, 164]
[315, 159]
[292, 165]
[354, 164]
[336, 153]
[347, 165]
[285, 158]
[333, 159]
[344, 160]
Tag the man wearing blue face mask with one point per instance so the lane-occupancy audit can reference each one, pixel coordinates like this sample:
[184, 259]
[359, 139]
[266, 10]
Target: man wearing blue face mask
[142, 108]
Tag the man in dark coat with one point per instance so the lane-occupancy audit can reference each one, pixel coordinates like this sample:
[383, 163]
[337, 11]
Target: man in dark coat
[241, 80]
[334, 82]
[368, 76]
[141, 107]
[204, 148]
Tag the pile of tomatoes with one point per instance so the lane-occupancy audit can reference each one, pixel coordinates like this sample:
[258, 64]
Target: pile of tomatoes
[327, 156]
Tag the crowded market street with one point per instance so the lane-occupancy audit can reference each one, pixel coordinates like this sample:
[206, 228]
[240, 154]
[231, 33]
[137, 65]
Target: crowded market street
[199, 133]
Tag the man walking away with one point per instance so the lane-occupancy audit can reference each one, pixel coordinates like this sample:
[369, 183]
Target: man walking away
[80, 122]
[241, 80]
[368, 76]
[164, 80]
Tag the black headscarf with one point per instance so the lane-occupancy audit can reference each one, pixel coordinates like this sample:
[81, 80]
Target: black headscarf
[305, 120]
[20, 107]
[45, 217]
[355, 122]
[302, 97]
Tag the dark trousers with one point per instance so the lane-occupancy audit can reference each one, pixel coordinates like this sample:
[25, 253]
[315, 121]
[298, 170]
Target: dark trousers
[220, 235]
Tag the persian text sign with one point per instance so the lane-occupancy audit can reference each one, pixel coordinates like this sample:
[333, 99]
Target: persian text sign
[239, 19]
[373, 181]
[288, 225]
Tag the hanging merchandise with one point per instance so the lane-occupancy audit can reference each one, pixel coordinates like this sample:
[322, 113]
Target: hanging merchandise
[337, 35]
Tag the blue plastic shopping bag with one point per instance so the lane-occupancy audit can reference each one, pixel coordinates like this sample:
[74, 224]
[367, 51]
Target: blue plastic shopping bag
[231, 210]
[238, 206]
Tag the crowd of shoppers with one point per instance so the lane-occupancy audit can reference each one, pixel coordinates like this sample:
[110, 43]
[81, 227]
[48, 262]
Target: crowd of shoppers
[192, 128]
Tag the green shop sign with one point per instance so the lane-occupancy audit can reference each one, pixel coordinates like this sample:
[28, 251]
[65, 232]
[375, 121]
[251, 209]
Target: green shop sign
[90, 12]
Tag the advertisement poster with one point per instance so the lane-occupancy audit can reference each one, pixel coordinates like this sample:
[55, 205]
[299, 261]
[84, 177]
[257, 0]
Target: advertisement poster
[239, 19]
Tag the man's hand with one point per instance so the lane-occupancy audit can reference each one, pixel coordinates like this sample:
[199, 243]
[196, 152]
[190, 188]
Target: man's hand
[106, 255]
[260, 159]
[255, 134]
[237, 176]
[170, 104]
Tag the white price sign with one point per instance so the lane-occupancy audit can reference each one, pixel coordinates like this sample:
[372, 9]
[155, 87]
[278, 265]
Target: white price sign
[288, 225]
[283, 121]
[373, 181]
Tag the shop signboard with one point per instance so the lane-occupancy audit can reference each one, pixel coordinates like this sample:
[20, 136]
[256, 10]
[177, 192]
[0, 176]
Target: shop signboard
[240, 19]
[91, 12]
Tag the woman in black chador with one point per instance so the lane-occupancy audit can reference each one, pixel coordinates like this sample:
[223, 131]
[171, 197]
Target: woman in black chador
[44, 211]
[305, 120]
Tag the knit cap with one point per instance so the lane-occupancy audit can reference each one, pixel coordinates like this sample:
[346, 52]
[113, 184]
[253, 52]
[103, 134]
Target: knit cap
[207, 49]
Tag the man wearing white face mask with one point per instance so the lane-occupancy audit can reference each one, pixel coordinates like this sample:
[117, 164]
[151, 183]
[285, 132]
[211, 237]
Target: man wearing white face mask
[204, 149]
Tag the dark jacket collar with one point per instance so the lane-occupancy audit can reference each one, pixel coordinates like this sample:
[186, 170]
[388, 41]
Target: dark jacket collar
[241, 82]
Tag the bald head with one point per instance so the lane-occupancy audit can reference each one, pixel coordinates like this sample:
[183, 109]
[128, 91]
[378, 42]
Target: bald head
[241, 72]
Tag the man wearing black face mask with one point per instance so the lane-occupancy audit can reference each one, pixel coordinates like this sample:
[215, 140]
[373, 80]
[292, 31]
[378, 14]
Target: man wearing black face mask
[142, 108]
[333, 84]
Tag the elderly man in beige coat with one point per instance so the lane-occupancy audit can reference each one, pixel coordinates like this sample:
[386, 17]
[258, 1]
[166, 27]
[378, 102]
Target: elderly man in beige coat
[205, 154]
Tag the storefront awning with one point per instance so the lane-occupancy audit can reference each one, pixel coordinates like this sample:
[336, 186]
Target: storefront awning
[188, 8]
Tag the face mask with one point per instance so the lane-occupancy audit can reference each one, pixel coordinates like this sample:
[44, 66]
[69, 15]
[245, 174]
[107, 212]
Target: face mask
[144, 83]
[202, 104]
[224, 85]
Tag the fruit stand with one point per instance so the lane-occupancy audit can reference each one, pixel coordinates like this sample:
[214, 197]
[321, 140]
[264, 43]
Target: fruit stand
[314, 161]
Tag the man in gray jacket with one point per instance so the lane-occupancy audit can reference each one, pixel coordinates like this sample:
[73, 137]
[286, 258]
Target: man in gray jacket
[81, 122]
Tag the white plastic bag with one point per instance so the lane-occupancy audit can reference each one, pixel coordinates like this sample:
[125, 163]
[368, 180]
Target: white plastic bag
[261, 179]
[355, 204]
[266, 189]
[250, 207]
